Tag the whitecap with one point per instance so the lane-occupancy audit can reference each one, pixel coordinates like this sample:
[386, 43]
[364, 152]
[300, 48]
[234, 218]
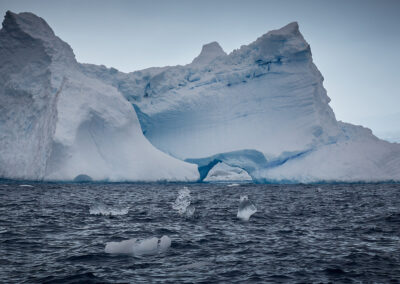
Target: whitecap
[182, 203]
[233, 184]
[25, 185]
[101, 209]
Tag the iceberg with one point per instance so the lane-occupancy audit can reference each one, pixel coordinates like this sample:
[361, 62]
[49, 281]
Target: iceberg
[262, 108]
[56, 123]
[259, 112]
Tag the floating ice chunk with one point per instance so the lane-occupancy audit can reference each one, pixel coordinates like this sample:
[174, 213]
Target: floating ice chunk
[123, 247]
[233, 184]
[101, 209]
[246, 208]
[146, 247]
[25, 185]
[164, 244]
[182, 203]
[150, 246]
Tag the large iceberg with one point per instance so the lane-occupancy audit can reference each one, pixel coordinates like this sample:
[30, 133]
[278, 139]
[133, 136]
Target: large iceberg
[262, 108]
[56, 123]
[261, 112]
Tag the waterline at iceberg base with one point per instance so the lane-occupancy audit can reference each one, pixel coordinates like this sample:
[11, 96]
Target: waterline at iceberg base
[260, 112]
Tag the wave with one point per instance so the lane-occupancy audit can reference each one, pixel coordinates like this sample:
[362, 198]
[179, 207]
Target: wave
[101, 209]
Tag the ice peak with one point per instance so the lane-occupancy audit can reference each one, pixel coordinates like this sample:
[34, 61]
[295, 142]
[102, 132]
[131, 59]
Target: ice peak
[29, 23]
[26, 26]
[286, 42]
[209, 52]
[291, 28]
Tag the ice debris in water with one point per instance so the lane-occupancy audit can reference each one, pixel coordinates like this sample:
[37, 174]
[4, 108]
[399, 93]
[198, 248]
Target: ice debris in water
[25, 185]
[246, 208]
[233, 184]
[182, 203]
[101, 209]
[150, 246]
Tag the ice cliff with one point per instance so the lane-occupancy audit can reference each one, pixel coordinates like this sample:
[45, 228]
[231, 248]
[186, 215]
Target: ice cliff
[261, 108]
[56, 123]
[260, 112]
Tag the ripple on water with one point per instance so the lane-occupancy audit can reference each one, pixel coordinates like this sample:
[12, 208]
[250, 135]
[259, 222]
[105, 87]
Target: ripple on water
[310, 234]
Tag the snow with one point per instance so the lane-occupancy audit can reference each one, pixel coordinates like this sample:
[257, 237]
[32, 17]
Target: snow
[56, 123]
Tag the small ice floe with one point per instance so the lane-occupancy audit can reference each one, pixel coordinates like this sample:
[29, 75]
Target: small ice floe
[25, 185]
[150, 246]
[246, 208]
[101, 209]
[182, 203]
[233, 185]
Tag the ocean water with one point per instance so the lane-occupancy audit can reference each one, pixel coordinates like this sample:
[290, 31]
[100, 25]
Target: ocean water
[342, 233]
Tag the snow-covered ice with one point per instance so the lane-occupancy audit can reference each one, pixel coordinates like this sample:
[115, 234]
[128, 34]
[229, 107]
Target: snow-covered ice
[246, 208]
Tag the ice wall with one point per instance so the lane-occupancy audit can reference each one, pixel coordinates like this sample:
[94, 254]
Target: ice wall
[56, 123]
[266, 98]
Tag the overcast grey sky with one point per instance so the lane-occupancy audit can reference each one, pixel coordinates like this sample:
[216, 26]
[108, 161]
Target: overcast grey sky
[355, 43]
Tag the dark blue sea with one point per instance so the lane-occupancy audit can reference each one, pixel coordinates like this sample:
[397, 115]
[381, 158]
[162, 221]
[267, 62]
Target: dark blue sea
[342, 233]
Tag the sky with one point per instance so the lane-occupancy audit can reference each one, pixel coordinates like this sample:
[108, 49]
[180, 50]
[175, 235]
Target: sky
[355, 43]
